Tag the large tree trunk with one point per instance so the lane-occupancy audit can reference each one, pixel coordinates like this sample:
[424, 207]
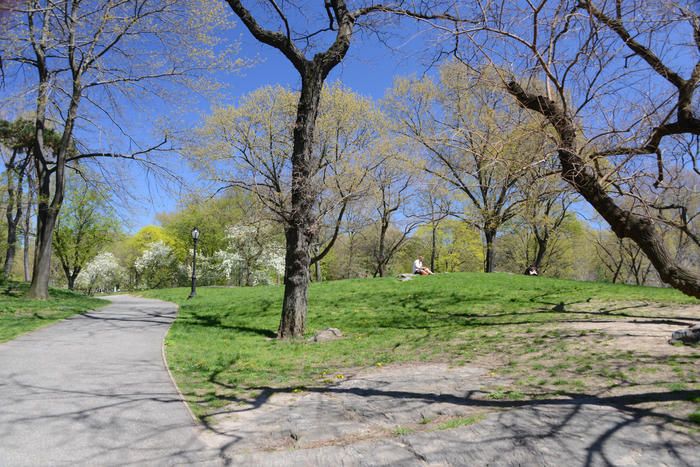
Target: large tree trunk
[299, 228]
[39, 288]
[46, 218]
[296, 283]
[298, 233]
[623, 222]
[74, 275]
[490, 259]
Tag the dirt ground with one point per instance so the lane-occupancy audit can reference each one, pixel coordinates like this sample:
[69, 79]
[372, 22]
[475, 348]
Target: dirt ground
[438, 414]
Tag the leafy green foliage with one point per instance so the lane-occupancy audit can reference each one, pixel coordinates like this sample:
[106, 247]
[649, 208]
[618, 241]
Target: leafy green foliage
[458, 248]
[210, 216]
[85, 226]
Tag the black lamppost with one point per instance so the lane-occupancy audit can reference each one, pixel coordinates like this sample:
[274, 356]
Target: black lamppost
[195, 237]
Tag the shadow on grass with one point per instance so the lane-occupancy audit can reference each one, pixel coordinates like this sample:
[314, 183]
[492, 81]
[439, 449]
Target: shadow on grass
[14, 289]
[559, 314]
[215, 321]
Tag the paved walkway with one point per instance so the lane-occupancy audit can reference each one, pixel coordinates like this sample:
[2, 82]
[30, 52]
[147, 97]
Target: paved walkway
[93, 390]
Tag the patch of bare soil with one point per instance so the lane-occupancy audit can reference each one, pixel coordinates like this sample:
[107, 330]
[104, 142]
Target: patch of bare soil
[437, 414]
[671, 313]
[433, 414]
[641, 335]
[374, 403]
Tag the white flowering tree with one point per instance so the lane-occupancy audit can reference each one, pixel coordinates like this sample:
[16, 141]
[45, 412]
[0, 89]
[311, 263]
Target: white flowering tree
[217, 269]
[102, 273]
[253, 255]
[157, 266]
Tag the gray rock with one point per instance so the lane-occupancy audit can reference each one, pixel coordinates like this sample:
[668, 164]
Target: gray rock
[327, 335]
[690, 335]
[406, 277]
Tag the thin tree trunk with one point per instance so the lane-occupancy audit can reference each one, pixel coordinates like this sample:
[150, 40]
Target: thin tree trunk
[12, 221]
[319, 276]
[10, 254]
[489, 261]
[381, 248]
[351, 252]
[27, 226]
[616, 274]
[433, 252]
[15, 177]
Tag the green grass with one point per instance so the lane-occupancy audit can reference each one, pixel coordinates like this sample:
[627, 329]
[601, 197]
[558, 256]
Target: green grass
[460, 421]
[695, 417]
[222, 345]
[403, 431]
[19, 314]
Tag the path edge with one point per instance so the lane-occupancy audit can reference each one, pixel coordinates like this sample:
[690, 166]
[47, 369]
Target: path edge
[170, 374]
[44, 326]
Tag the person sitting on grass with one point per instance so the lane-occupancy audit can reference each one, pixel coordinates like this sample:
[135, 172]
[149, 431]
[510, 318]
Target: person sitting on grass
[419, 269]
[531, 270]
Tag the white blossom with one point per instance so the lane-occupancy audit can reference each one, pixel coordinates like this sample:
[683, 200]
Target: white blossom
[157, 266]
[158, 254]
[103, 272]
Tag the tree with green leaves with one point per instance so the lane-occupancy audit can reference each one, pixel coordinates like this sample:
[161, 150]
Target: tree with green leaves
[85, 227]
[435, 205]
[458, 245]
[82, 58]
[211, 216]
[15, 148]
[619, 104]
[472, 139]
[254, 143]
[392, 185]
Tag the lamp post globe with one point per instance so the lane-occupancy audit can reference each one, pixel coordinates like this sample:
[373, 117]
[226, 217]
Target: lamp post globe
[195, 237]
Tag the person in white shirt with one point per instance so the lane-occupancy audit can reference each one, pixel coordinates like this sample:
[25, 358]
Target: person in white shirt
[418, 267]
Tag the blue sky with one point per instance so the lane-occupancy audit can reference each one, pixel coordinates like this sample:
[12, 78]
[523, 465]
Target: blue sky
[369, 69]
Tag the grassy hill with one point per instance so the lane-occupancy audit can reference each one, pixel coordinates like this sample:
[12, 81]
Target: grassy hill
[19, 315]
[527, 329]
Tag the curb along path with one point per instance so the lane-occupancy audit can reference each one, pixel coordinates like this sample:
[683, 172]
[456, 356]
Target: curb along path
[93, 390]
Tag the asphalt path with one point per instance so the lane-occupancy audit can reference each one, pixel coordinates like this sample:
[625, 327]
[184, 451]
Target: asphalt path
[94, 390]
